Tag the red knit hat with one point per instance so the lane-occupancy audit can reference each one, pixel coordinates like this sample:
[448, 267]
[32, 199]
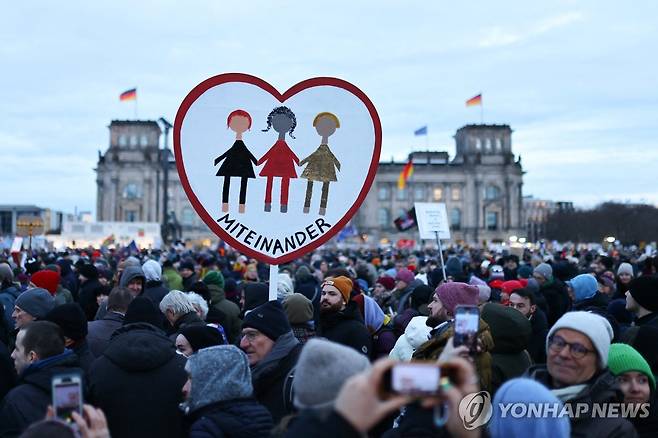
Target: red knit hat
[386, 281]
[47, 280]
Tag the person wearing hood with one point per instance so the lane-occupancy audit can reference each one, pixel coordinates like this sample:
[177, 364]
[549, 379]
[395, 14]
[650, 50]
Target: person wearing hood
[378, 324]
[39, 355]
[416, 334]
[153, 288]
[511, 333]
[138, 379]
[32, 305]
[219, 398]
[133, 279]
[299, 311]
[340, 320]
[552, 291]
[179, 312]
[73, 324]
[172, 278]
[642, 300]
[8, 293]
[584, 292]
[272, 351]
[90, 289]
[526, 391]
[230, 311]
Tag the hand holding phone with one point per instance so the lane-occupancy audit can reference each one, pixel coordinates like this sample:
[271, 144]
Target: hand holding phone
[67, 395]
[467, 324]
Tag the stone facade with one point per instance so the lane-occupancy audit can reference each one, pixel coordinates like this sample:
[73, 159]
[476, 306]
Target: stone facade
[481, 187]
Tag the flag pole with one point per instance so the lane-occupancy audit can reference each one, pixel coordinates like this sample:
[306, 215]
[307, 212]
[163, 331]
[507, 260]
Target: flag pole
[135, 107]
[481, 110]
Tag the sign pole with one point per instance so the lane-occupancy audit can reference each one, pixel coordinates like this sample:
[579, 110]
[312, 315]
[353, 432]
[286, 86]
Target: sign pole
[443, 266]
[274, 282]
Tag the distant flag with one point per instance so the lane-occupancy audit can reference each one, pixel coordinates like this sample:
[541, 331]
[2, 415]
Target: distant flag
[132, 247]
[421, 131]
[128, 95]
[405, 175]
[475, 100]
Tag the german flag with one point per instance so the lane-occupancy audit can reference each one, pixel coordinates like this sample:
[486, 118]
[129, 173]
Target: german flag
[475, 100]
[128, 95]
[405, 175]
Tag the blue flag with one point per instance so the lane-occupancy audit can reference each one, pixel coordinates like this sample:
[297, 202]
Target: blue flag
[421, 131]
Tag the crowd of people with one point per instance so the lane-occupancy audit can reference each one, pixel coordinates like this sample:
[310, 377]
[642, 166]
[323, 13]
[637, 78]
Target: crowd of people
[181, 343]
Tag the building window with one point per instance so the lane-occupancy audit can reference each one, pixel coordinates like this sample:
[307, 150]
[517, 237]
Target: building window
[132, 191]
[419, 192]
[487, 144]
[133, 140]
[130, 216]
[491, 192]
[144, 140]
[401, 194]
[478, 144]
[492, 221]
[187, 216]
[123, 140]
[383, 193]
[384, 218]
[456, 193]
[437, 193]
[499, 144]
[455, 219]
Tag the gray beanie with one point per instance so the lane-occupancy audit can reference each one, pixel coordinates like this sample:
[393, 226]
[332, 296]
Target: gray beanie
[6, 274]
[322, 369]
[595, 327]
[626, 268]
[545, 270]
[37, 302]
[218, 373]
[152, 270]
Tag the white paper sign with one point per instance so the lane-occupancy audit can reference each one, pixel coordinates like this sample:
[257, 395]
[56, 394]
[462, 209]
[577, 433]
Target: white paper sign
[432, 217]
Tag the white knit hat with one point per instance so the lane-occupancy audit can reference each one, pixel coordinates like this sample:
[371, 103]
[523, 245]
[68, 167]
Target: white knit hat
[595, 327]
[625, 268]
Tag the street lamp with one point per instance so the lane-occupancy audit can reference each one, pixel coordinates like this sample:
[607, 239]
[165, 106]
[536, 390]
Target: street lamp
[610, 239]
[522, 240]
[513, 239]
[165, 178]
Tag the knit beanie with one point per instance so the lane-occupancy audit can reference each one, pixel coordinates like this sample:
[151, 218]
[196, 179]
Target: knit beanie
[152, 270]
[48, 280]
[322, 369]
[6, 274]
[201, 336]
[453, 267]
[386, 281]
[404, 275]
[496, 272]
[214, 278]
[421, 295]
[255, 294]
[142, 309]
[88, 271]
[526, 391]
[343, 284]
[454, 293]
[37, 302]
[299, 309]
[269, 319]
[510, 286]
[434, 277]
[623, 358]
[545, 270]
[525, 271]
[584, 286]
[186, 264]
[219, 373]
[284, 286]
[644, 290]
[595, 327]
[71, 319]
[626, 268]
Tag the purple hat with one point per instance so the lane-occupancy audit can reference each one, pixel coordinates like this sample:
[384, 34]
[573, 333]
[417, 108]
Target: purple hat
[455, 293]
[405, 275]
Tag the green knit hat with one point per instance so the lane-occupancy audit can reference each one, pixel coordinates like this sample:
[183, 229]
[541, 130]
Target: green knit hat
[214, 277]
[623, 358]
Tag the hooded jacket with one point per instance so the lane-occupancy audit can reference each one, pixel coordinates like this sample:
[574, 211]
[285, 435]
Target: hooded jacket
[172, 278]
[137, 382]
[557, 299]
[8, 297]
[415, 335]
[89, 290]
[28, 402]
[347, 328]
[131, 273]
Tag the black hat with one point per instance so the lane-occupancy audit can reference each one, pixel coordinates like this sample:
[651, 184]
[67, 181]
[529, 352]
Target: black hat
[255, 294]
[269, 319]
[142, 309]
[202, 336]
[186, 265]
[71, 319]
[644, 291]
[88, 270]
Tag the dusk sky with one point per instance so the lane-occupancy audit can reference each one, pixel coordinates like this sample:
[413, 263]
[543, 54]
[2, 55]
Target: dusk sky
[576, 80]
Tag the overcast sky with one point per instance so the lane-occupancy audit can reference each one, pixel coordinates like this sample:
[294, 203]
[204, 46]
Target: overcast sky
[577, 81]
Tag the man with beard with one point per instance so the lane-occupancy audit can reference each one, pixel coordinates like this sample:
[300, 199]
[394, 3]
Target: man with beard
[525, 302]
[340, 319]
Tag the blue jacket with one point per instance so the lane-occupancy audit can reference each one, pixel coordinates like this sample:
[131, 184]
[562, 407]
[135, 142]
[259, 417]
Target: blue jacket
[244, 418]
[8, 298]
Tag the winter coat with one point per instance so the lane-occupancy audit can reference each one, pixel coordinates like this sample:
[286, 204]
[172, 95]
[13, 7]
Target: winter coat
[383, 341]
[137, 383]
[85, 356]
[189, 282]
[309, 425]
[238, 161]
[415, 335]
[403, 296]
[63, 296]
[173, 279]
[190, 318]
[100, 331]
[245, 418]
[155, 290]
[557, 300]
[650, 320]
[537, 344]
[7, 371]
[87, 294]
[231, 321]
[27, 402]
[600, 389]
[272, 376]
[511, 332]
[279, 161]
[322, 165]
[598, 300]
[8, 297]
[347, 328]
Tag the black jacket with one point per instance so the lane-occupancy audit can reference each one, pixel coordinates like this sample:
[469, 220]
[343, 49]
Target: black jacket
[245, 418]
[309, 425]
[87, 297]
[238, 161]
[599, 300]
[651, 320]
[189, 282]
[347, 328]
[100, 331]
[557, 300]
[27, 403]
[537, 344]
[7, 371]
[600, 389]
[155, 291]
[137, 382]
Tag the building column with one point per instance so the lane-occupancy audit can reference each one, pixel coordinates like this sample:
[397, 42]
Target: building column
[476, 204]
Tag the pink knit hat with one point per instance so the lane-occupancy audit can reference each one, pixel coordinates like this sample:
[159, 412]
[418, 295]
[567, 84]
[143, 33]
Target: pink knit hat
[405, 275]
[454, 293]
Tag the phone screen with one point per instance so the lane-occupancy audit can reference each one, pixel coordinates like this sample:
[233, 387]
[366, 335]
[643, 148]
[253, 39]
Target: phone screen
[67, 398]
[415, 378]
[467, 323]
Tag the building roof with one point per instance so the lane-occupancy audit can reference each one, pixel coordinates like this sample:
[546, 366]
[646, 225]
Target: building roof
[134, 122]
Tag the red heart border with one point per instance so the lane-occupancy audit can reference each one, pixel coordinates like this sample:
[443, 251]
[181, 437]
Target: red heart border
[295, 89]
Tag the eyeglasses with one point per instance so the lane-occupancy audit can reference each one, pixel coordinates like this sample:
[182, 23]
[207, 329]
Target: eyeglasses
[577, 350]
[251, 336]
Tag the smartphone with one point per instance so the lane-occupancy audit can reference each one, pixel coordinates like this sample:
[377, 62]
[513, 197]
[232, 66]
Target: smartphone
[413, 379]
[67, 395]
[467, 323]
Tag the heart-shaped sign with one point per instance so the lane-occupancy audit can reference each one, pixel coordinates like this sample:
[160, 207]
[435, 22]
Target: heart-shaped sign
[276, 175]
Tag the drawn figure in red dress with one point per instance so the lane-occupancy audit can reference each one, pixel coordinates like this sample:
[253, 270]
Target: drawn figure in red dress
[280, 160]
